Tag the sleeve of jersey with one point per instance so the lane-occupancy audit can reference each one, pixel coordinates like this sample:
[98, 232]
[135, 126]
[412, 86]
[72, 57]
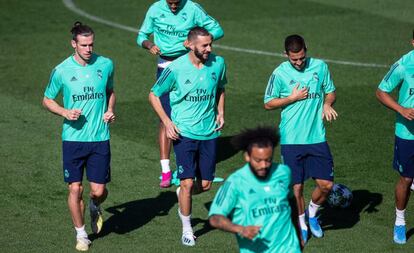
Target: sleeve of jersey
[54, 86]
[272, 89]
[223, 77]
[208, 22]
[165, 83]
[110, 83]
[146, 29]
[327, 84]
[392, 79]
[225, 199]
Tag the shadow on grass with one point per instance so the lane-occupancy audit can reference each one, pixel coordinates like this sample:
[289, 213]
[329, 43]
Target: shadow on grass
[339, 218]
[224, 149]
[132, 215]
[206, 225]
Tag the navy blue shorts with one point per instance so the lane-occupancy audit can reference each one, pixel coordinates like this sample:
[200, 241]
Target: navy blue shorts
[95, 156]
[195, 158]
[404, 157]
[165, 99]
[308, 160]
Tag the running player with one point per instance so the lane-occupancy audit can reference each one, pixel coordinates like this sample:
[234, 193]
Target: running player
[86, 81]
[400, 76]
[302, 87]
[170, 21]
[195, 82]
[258, 198]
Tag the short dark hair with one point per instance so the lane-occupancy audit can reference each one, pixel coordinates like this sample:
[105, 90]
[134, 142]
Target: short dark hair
[80, 29]
[261, 137]
[294, 43]
[197, 31]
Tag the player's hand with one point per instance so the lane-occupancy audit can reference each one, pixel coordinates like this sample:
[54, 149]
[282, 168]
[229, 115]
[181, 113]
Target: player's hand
[407, 113]
[249, 232]
[109, 117]
[73, 114]
[155, 50]
[171, 131]
[329, 113]
[219, 122]
[298, 94]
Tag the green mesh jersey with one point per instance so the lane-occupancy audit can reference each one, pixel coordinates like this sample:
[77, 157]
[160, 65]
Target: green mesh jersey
[170, 30]
[193, 95]
[401, 75]
[249, 201]
[84, 88]
[301, 122]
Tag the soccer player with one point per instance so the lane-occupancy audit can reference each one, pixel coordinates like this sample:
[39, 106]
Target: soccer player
[401, 76]
[302, 87]
[258, 198]
[86, 81]
[195, 82]
[170, 21]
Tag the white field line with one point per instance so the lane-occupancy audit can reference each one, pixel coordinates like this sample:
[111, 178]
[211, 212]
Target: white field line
[71, 6]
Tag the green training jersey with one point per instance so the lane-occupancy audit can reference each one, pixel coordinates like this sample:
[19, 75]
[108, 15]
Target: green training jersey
[84, 88]
[170, 30]
[401, 75]
[250, 201]
[193, 95]
[301, 122]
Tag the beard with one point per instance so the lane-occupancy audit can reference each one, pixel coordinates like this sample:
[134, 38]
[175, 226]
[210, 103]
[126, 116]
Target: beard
[260, 177]
[200, 55]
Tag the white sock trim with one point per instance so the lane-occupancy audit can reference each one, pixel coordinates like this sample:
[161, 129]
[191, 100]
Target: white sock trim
[313, 209]
[80, 232]
[165, 165]
[302, 222]
[399, 217]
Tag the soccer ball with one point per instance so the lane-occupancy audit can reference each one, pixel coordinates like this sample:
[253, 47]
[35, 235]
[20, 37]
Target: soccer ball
[340, 196]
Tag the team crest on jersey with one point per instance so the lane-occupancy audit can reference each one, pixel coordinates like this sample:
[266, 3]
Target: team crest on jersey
[99, 72]
[281, 184]
[214, 76]
[315, 76]
[292, 82]
[184, 16]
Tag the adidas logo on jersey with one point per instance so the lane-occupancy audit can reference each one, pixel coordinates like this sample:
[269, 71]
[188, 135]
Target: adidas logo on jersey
[73, 79]
[251, 191]
[187, 82]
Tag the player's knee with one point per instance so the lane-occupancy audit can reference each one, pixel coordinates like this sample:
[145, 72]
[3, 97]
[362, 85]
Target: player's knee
[97, 192]
[76, 189]
[406, 181]
[186, 186]
[206, 185]
[326, 186]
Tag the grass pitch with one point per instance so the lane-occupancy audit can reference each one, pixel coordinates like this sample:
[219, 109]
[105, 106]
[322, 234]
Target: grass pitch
[139, 216]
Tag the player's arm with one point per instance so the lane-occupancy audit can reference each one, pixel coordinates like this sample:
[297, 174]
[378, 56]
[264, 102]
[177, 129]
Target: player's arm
[54, 107]
[109, 115]
[144, 34]
[387, 100]
[223, 223]
[328, 111]
[296, 95]
[209, 23]
[220, 109]
[171, 130]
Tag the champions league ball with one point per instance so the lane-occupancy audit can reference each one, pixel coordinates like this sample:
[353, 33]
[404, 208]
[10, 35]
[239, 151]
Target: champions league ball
[340, 196]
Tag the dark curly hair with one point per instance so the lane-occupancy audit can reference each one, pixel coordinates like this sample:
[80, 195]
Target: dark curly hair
[261, 136]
